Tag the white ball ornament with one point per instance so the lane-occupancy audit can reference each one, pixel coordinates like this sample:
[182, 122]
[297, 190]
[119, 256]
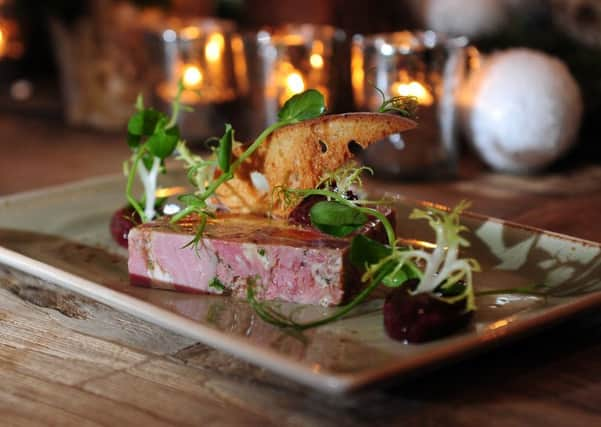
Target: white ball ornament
[472, 18]
[523, 110]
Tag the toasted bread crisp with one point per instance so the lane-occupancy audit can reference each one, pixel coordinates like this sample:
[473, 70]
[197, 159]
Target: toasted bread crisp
[298, 156]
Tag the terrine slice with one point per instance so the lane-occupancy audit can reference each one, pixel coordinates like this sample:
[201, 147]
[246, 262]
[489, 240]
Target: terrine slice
[287, 262]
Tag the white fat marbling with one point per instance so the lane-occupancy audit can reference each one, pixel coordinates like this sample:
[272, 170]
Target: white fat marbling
[322, 274]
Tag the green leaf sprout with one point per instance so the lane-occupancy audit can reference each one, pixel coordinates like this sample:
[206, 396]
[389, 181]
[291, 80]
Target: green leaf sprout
[442, 271]
[307, 105]
[337, 219]
[152, 137]
[224, 151]
[405, 106]
[303, 106]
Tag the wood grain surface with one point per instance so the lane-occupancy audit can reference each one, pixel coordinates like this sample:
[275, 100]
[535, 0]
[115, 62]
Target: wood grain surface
[66, 360]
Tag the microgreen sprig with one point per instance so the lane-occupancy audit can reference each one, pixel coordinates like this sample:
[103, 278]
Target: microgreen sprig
[405, 106]
[152, 137]
[344, 179]
[303, 106]
[276, 318]
[444, 273]
[331, 216]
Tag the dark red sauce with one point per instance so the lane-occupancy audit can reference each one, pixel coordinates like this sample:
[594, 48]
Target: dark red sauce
[122, 221]
[421, 317]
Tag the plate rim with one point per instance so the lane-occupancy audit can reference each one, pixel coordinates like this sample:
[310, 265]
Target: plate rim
[326, 381]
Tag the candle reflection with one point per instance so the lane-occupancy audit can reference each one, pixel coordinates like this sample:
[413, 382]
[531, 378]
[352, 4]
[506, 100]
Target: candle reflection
[423, 65]
[284, 61]
[406, 86]
[2, 41]
[214, 47]
[200, 55]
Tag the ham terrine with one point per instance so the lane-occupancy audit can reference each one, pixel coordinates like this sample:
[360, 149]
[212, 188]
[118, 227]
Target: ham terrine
[286, 262]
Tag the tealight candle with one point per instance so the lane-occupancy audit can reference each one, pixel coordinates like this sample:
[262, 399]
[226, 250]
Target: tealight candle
[200, 55]
[423, 65]
[192, 76]
[414, 89]
[284, 61]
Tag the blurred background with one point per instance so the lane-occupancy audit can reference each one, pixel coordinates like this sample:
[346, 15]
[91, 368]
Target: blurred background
[518, 111]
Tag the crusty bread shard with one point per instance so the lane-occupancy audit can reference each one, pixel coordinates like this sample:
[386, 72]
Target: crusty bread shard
[297, 156]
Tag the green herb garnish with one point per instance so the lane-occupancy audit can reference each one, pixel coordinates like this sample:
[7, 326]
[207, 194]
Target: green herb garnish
[391, 264]
[337, 219]
[303, 106]
[405, 106]
[152, 137]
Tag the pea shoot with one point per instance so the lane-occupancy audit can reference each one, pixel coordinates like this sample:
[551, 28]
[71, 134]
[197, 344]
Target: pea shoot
[152, 137]
[203, 173]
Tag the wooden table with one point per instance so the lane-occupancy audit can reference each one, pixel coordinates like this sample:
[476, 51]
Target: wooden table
[66, 360]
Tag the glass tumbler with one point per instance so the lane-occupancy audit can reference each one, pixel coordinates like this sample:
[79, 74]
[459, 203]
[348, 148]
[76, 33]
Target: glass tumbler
[199, 53]
[429, 67]
[277, 63]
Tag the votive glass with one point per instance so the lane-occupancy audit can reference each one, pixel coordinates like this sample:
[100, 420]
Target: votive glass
[199, 53]
[429, 67]
[276, 63]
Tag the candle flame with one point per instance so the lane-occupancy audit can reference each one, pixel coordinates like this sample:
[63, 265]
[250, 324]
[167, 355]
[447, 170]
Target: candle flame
[424, 97]
[295, 83]
[192, 76]
[214, 47]
[290, 84]
[316, 61]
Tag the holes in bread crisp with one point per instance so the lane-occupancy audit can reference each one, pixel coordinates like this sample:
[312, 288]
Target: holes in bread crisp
[354, 147]
[323, 146]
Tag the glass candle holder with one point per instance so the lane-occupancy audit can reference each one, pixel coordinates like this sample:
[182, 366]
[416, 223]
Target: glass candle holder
[200, 54]
[429, 67]
[274, 64]
[11, 46]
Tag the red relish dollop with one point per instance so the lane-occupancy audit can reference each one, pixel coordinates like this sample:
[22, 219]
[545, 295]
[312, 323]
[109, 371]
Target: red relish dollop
[122, 221]
[421, 317]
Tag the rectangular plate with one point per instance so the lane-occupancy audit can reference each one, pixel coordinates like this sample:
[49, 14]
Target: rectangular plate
[61, 235]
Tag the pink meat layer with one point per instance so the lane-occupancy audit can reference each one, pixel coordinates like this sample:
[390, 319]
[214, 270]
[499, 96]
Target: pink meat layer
[286, 262]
